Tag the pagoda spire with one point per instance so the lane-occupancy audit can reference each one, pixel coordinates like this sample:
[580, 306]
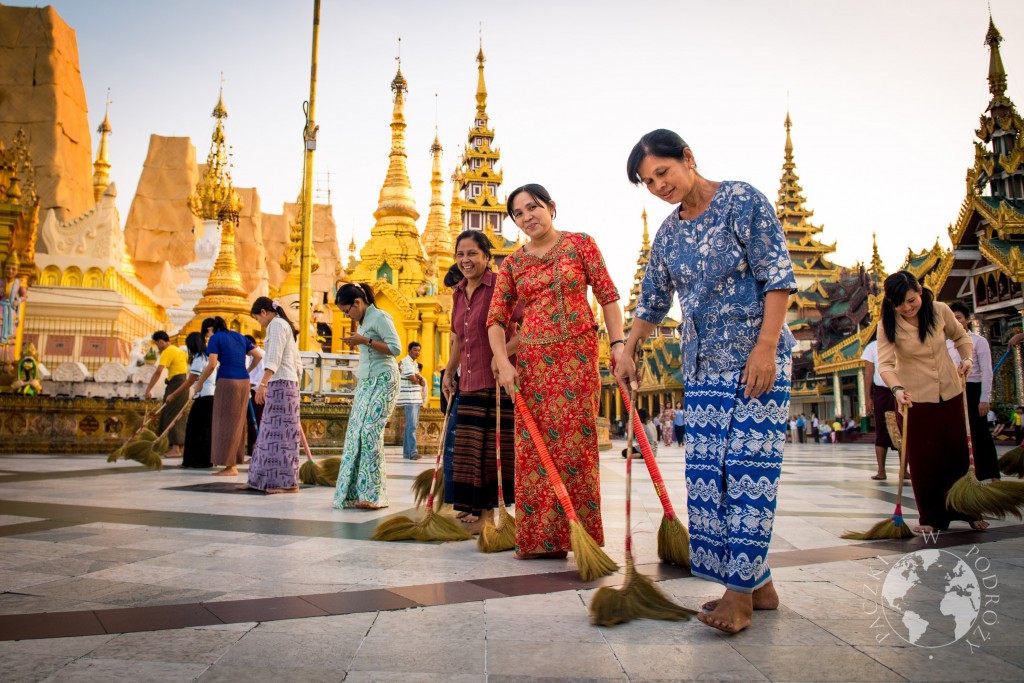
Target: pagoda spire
[481, 86]
[996, 72]
[641, 268]
[455, 226]
[999, 157]
[807, 253]
[394, 252]
[437, 240]
[214, 199]
[877, 267]
[101, 167]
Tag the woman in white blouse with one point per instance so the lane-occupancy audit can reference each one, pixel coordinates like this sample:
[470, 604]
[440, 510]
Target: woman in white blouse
[275, 458]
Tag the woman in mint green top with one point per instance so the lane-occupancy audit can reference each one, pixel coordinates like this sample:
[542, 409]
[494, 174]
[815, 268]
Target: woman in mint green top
[363, 474]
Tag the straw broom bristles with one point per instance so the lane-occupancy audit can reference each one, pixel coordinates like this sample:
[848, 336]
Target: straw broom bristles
[323, 473]
[421, 487]
[894, 527]
[1012, 462]
[433, 526]
[638, 597]
[975, 498]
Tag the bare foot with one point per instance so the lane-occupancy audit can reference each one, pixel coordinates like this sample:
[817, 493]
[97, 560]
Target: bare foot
[732, 614]
[366, 505]
[923, 529]
[470, 518]
[764, 597]
[556, 555]
[979, 525]
[227, 472]
[879, 477]
[461, 515]
[270, 491]
[243, 487]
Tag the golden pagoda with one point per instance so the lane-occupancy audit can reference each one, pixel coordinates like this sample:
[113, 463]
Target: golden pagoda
[101, 167]
[437, 239]
[291, 261]
[393, 254]
[214, 199]
[478, 178]
[877, 267]
[808, 254]
[641, 268]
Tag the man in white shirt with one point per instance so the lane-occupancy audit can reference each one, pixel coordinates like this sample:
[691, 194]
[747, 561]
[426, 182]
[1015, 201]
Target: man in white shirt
[410, 398]
[879, 401]
[979, 395]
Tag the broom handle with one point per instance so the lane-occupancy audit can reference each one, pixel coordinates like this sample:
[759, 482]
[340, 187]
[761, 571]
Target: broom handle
[175, 420]
[903, 462]
[146, 419]
[967, 423]
[561, 493]
[632, 432]
[999, 364]
[497, 438]
[440, 451]
[305, 444]
[648, 453]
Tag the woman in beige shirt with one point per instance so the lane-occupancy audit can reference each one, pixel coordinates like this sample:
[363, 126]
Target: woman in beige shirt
[915, 365]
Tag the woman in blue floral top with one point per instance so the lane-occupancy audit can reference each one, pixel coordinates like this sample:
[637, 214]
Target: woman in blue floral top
[723, 253]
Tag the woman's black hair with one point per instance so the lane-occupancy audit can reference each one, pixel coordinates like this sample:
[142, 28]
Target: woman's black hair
[349, 292]
[454, 276]
[896, 287]
[657, 143]
[961, 308]
[196, 345]
[217, 323]
[536, 191]
[265, 303]
[478, 236]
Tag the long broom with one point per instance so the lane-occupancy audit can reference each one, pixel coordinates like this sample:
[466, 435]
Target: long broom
[433, 526]
[496, 537]
[894, 527]
[314, 473]
[591, 561]
[673, 538]
[149, 452]
[425, 482]
[638, 597]
[975, 498]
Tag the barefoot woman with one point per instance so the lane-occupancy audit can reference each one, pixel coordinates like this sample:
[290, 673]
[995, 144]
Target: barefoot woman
[723, 252]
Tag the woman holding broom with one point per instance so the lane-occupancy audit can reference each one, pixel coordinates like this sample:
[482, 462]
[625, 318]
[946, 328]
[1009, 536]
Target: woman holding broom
[362, 478]
[474, 469]
[275, 457]
[227, 352]
[723, 252]
[556, 369]
[200, 415]
[914, 362]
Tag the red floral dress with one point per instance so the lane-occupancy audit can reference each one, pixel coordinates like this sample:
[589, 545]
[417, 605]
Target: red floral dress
[558, 376]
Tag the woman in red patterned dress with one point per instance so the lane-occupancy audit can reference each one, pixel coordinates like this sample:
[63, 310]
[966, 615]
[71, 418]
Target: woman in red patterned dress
[556, 369]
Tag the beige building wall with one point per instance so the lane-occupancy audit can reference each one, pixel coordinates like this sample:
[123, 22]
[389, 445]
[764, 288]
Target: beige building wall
[161, 231]
[41, 91]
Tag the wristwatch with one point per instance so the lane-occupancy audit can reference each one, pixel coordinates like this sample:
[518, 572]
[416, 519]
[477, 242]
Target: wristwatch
[897, 388]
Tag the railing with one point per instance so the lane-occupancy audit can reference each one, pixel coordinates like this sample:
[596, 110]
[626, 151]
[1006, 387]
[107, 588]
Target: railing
[90, 342]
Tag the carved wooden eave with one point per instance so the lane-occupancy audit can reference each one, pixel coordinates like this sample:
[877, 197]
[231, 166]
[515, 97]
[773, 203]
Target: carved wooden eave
[963, 219]
[1012, 264]
[1003, 221]
[823, 360]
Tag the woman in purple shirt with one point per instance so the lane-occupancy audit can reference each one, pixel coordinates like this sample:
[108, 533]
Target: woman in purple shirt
[227, 353]
[474, 465]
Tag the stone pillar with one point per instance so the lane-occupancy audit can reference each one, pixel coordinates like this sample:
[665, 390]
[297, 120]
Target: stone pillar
[429, 359]
[837, 393]
[862, 406]
[1018, 373]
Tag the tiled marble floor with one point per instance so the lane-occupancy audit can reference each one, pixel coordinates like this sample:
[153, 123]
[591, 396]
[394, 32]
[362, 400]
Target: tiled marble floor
[278, 588]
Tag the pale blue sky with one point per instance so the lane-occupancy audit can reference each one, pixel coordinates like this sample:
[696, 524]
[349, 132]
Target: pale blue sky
[884, 96]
